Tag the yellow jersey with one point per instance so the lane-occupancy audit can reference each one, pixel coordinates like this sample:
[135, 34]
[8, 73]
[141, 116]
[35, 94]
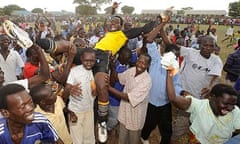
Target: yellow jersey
[112, 41]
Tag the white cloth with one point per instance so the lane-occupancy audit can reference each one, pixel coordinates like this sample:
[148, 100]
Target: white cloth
[23, 82]
[9, 65]
[79, 74]
[196, 71]
[169, 59]
[24, 58]
[208, 128]
[93, 40]
[230, 31]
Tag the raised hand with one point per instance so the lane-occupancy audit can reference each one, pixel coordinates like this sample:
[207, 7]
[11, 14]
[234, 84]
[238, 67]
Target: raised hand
[165, 16]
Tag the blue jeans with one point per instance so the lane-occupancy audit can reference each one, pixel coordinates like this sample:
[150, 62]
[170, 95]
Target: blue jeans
[112, 117]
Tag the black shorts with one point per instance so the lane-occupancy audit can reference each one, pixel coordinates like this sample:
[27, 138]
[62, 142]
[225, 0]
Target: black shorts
[102, 62]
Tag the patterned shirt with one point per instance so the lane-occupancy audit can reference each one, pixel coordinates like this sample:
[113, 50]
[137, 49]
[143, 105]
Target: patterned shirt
[132, 114]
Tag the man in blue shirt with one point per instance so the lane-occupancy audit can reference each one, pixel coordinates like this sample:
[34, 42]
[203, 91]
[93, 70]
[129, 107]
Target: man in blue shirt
[159, 111]
[120, 65]
[20, 125]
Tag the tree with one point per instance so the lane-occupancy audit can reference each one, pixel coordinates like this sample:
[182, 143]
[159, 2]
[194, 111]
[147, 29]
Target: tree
[86, 10]
[180, 12]
[37, 10]
[234, 9]
[187, 8]
[127, 9]
[10, 8]
[2, 12]
[93, 3]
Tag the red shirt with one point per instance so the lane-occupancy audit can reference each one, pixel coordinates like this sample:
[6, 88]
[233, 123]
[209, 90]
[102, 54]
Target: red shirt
[29, 70]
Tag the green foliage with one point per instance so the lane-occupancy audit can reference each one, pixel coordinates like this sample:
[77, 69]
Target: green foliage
[127, 9]
[234, 9]
[95, 3]
[1, 11]
[180, 12]
[10, 8]
[86, 10]
[37, 10]
[187, 8]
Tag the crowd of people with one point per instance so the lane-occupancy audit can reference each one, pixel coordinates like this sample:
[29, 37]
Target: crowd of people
[82, 84]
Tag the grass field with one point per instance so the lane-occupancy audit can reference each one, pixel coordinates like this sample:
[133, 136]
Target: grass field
[221, 30]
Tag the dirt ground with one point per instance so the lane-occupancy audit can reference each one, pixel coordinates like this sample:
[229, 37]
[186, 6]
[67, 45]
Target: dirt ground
[154, 137]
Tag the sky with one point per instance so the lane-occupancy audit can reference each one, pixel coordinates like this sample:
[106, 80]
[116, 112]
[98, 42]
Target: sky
[58, 5]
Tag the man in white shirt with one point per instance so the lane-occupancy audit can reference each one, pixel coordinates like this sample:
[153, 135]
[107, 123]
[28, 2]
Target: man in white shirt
[9, 59]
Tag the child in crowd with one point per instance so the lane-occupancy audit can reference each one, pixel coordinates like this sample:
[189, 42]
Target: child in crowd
[82, 127]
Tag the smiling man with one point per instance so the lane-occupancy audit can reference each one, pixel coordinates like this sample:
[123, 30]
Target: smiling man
[212, 120]
[20, 124]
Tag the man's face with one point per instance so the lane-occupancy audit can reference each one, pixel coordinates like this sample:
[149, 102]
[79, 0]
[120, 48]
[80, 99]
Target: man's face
[115, 24]
[207, 47]
[49, 96]
[88, 60]
[4, 41]
[20, 108]
[225, 104]
[142, 64]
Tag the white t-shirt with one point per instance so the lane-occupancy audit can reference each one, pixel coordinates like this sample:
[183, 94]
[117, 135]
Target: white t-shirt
[196, 71]
[79, 74]
[9, 65]
[230, 31]
[208, 128]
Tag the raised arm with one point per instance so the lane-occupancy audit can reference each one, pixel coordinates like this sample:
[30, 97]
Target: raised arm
[61, 77]
[44, 69]
[178, 101]
[49, 22]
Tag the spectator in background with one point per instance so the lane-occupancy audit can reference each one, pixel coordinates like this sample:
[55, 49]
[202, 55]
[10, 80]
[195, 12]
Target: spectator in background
[31, 67]
[9, 60]
[229, 34]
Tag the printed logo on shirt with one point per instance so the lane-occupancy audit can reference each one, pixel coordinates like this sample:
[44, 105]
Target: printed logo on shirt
[200, 68]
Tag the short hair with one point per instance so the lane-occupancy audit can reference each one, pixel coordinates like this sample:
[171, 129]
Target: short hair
[80, 52]
[205, 38]
[121, 20]
[8, 90]
[125, 51]
[219, 89]
[148, 56]
[171, 47]
[34, 92]
[87, 50]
